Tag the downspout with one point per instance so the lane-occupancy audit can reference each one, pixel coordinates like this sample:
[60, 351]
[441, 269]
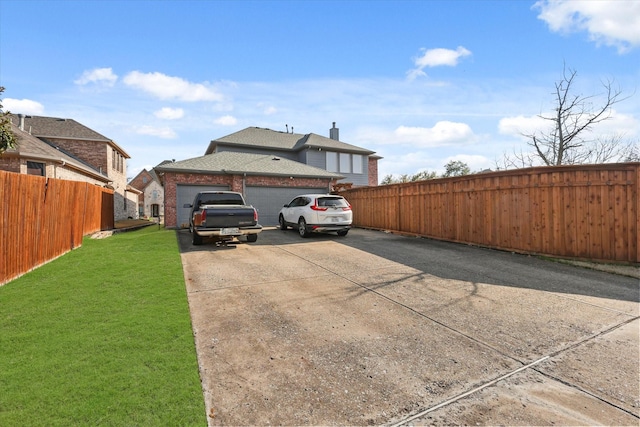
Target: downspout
[244, 185]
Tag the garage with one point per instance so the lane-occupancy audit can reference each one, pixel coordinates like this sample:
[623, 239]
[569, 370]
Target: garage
[267, 182]
[186, 194]
[269, 200]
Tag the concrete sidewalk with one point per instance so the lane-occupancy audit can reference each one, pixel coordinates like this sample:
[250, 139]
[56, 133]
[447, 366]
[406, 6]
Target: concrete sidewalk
[377, 329]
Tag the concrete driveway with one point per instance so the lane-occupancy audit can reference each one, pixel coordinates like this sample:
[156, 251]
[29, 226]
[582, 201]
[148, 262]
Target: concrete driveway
[380, 329]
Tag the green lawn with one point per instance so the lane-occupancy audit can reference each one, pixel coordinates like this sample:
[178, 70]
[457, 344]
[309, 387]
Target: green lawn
[101, 336]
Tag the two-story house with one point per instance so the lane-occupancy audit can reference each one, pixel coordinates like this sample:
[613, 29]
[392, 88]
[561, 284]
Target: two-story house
[268, 167]
[85, 146]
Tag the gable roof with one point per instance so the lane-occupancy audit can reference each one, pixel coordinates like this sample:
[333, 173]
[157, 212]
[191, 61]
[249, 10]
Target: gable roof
[54, 127]
[31, 148]
[243, 163]
[283, 141]
[137, 181]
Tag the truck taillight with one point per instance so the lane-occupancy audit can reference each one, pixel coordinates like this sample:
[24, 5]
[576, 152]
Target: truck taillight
[255, 215]
[203, 217]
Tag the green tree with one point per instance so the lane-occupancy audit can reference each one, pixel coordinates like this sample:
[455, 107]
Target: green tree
[7, 138]
[420, 176]
[456, 168]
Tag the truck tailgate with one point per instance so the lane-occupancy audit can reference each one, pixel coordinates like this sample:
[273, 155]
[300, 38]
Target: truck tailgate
[232, 216]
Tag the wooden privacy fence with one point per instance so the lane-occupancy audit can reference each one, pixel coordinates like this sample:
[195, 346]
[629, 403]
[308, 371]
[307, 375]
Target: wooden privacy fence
[42, 219]
[583, 212]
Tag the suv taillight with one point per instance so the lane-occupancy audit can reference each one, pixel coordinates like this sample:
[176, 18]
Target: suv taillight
[348, 207]
[315, 206]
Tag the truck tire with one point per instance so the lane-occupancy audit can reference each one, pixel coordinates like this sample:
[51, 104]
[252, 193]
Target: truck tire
[302, 228]
[252, 237]
[196, 239]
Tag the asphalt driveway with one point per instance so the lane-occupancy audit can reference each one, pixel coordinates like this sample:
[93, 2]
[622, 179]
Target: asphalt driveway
[380, 329]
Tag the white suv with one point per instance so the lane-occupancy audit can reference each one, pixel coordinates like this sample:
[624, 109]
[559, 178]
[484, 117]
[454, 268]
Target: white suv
[317, 213]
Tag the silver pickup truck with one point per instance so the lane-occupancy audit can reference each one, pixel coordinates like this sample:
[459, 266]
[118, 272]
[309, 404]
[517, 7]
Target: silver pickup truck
[223, 216]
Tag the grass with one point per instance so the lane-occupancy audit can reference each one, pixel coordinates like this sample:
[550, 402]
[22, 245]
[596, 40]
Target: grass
[101, 336]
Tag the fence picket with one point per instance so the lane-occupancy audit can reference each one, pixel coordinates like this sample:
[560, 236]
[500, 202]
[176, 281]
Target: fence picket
[582, 211]
[43, 218]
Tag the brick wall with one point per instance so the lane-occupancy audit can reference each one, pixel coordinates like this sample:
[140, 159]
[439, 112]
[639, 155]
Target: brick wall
[373, 172]
[139, 181]
[171, 181]
[10, 164]
[94, 153]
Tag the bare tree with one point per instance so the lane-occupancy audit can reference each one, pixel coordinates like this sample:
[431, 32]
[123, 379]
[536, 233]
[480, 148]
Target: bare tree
[567, 141]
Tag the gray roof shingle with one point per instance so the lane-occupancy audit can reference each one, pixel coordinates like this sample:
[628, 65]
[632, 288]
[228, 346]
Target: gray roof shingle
[267, 138]
[240, 163]
[54, 127]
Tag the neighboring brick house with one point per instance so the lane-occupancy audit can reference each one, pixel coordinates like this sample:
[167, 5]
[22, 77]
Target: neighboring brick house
[151, 198]
[33, 156]
[268, 167]
[88, 147]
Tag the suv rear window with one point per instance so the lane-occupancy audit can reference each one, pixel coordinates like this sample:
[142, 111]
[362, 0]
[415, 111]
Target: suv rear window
[339, 202]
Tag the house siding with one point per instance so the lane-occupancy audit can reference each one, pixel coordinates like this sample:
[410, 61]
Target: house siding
[316, 158]
[247, 150]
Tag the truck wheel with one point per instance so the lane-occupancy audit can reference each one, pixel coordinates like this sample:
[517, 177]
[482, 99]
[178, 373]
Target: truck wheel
[302, 228]
[283, 224]
[252, 237]
[196, 239]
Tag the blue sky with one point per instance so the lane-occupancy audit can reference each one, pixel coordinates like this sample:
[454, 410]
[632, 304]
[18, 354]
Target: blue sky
[419, 82]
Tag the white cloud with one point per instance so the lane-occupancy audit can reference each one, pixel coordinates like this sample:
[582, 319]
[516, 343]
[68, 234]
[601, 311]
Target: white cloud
[226, 121]
[104, 76]
[169, 113]
[168, 87]
[441, 134]
[612, 23]
[164, 132]
[22, 106]
[617, 124]
[436, 58]
[518, 125]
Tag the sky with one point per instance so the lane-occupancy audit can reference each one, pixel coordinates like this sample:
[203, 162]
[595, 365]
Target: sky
[421, 83]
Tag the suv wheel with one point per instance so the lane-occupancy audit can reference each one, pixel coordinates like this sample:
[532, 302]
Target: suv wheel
[302, 228]
[283, 225]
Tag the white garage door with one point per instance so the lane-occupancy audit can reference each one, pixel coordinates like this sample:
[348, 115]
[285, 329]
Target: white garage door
[186, 194]
[269, 200]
